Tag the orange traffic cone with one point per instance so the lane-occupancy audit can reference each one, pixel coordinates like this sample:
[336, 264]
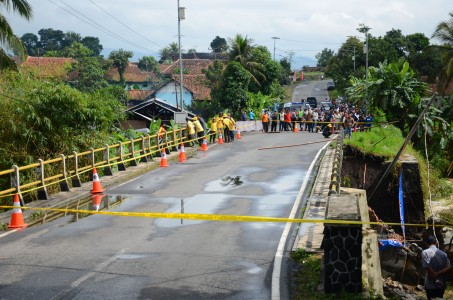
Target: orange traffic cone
[182, 154]
[163, 160]
[238, 134]
[204, 146]
[97, 188]
[295, 128]
[96, 201]
[17, 220]
[220, 139]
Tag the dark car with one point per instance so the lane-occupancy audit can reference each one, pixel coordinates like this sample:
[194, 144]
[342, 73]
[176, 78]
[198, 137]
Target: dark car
[330, 85]
[312, 101]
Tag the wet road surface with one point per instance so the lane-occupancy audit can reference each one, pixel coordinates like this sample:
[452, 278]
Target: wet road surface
[111, 257]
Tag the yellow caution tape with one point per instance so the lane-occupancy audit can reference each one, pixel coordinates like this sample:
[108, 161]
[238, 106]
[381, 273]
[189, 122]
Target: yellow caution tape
[214, 217]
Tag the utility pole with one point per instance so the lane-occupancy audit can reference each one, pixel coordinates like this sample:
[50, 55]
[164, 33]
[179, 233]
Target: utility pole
[275, 38]
[364, 29]
[181, 16]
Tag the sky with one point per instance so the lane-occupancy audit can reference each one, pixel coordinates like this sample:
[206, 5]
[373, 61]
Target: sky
[302, 27]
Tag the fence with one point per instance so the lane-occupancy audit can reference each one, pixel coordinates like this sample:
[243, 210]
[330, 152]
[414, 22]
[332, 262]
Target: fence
[65, 172]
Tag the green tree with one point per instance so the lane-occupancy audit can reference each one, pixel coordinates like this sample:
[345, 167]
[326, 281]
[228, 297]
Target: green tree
[69, 38]
[120, 59]
[219, 45]
[169, 53]
[51, 40]
[233, 88]
[392, 88]
[324, 56]
[8, 40]
[213, 76]
[31, 43]
[241, 51]
[444, 33]
[77, 50]
[90, 74]
[149, 64]
[45, 118]
[93, 44]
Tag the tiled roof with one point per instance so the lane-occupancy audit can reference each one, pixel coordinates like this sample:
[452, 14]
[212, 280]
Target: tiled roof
[51, 67]
[132, 74]
[197, 85]
[192, 66]
[140, 94]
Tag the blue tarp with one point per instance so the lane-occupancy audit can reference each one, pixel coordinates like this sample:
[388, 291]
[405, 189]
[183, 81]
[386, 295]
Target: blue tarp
[389, 243]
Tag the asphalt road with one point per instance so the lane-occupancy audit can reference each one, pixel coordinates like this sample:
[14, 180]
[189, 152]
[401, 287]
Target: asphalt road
[316, 88]
[111, 257]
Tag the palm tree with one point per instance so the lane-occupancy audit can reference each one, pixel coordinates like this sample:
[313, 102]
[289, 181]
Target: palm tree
[241, 51]
[8, 40]
[444, 33]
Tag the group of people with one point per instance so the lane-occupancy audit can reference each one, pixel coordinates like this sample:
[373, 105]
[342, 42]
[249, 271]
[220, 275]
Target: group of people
[222, 125]
[316, 120]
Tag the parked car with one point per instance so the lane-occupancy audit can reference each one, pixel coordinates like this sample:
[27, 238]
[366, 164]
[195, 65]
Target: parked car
[330, 85]
[312, 101]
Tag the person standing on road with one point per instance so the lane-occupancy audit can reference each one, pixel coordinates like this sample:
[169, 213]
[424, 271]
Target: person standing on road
[231, 127]
[220, 125]
[212, 130]
[265, 121]
[252, 116]
[281, 121]
[274, 119]
[190, 131]
[436, 264]
[226, 129]
[348, 122]
[198, 129]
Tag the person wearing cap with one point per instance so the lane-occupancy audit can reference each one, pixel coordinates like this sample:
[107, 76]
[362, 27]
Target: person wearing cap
[327, 131]
[212, 130]
[198, 129]
[231, 127]
[190, 131]
[226, 129]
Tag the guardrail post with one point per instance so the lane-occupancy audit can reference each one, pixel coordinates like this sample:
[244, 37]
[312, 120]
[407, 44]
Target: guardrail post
[64, 185]
[76, 178]
[159, 146]
[93, 164]
[133, 161]
[148, 147]
[175, 141]
[15, 183]
[42, 192]
[121, 166]
[107, 168]
[143, 156]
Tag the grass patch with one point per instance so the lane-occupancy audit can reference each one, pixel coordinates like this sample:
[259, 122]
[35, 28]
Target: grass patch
[380, 141]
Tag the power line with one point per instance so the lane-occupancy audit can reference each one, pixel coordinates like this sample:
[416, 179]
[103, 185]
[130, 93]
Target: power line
[125, 25]
[98, 26]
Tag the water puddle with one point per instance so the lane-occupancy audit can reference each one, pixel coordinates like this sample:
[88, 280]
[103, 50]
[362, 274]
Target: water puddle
[224, 183]
[199, 204]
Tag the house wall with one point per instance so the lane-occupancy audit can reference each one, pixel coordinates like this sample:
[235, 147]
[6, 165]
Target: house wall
[168, 93]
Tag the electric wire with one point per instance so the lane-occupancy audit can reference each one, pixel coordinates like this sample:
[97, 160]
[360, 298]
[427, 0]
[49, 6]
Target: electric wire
[98, 26]
[125, 25]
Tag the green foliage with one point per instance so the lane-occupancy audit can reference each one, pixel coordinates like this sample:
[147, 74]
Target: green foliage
[154, 126]
[8, 40]
[170, 53]
[324, 56]
[89, 74]
[219, 45]
[233, 88]
[392, 88]
[120, 59]
[444, 33]
[42, 119]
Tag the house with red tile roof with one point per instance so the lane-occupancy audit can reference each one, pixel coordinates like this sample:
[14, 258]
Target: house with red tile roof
[135, 78]
[48, 67]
